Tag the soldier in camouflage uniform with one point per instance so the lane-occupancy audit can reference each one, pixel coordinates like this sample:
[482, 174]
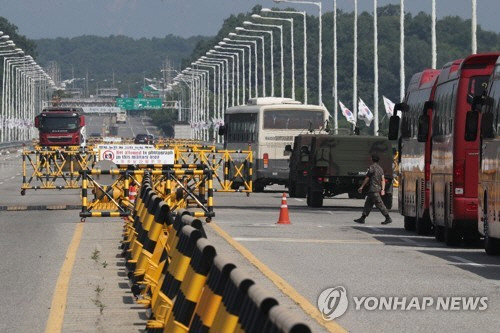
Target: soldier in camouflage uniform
[376, 180]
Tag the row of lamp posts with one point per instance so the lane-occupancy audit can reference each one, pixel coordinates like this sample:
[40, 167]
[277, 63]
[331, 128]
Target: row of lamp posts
[25, 89]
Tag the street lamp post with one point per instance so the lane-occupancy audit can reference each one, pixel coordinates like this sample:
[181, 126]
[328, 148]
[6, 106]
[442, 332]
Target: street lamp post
[263, 56]
[280, 27]
[242, 48]
[272, 49]
[225, 71]
[290, 20]
[254, 44]
[320, 56]
[235, 56]
[267, 10]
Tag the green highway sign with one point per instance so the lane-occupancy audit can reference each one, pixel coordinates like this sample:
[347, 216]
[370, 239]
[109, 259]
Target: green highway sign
[138, 103]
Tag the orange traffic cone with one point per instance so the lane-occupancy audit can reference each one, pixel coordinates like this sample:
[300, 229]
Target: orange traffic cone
[284, 218]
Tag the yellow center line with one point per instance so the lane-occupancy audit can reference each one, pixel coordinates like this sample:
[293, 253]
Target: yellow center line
[284, 286]
[58, 306]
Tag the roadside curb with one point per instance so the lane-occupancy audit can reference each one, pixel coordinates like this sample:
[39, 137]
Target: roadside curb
[40, 207]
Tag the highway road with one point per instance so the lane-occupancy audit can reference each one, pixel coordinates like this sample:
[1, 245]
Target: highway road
[321, 248]
[137, 123]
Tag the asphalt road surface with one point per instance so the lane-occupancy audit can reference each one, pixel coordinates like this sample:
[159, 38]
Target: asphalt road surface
[320, 249]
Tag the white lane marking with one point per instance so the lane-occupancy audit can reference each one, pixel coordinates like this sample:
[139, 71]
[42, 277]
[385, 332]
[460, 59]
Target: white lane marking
[296, 240]
[408, 240]
[375, 228]
[299, 199]
[467, 262]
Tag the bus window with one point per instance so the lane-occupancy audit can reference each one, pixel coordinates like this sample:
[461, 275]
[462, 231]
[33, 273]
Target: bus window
[292, 119]
[241, 127]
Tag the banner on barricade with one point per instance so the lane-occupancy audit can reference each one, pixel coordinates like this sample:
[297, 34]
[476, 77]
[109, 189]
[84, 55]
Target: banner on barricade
[137, 156]
[124, 147]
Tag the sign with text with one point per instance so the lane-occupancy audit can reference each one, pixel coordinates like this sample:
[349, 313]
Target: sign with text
[138, 103]
[136, 156]
[124, 147]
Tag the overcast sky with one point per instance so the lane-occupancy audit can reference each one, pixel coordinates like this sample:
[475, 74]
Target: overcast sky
[185, 18]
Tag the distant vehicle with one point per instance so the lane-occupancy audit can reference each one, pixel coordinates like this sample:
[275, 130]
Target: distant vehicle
[147, 139]
[95, 135]
[325, 165]
[113, 130]
[121, 117]
[267, 125]
[61, 126]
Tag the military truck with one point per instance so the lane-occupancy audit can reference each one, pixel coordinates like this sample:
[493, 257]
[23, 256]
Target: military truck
[325, 165]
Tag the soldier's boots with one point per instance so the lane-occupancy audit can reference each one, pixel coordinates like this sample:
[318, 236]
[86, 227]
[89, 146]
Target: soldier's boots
[387, 220]
[361, 220]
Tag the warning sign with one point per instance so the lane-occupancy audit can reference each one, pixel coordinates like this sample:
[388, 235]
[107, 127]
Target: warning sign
[134, 156]
[124, 147]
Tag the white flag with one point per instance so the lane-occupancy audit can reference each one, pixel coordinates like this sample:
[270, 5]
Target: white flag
[364, 113]
[347, 113]
[389, 106]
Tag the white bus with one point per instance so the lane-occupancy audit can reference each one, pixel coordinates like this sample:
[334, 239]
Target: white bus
[121, 117]
[268, 124]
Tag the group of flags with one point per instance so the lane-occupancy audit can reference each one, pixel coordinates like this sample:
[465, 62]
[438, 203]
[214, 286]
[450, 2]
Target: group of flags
[15, 123]
[215, 123]
[364, 113]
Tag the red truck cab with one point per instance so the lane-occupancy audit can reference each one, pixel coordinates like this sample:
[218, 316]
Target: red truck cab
[60, 126]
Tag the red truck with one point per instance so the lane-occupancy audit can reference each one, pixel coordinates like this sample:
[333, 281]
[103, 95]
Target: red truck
[61, 126]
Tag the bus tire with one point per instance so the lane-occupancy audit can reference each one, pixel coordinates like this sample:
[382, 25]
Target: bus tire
[409, 223]
[491, 245]
[439, 233]
[451, 235]
[423, 224]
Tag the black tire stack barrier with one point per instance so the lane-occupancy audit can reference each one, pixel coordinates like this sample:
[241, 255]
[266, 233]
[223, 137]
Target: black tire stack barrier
[185, 283]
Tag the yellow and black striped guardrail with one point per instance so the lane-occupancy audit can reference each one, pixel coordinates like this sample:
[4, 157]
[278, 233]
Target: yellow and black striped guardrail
[185, 283]
[181, 186]
[54, 167]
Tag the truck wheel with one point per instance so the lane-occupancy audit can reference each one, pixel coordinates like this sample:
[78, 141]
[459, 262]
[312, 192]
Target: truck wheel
[409, 223]
[316, 199]
[258, 188]
[300, 191]
[292, 192]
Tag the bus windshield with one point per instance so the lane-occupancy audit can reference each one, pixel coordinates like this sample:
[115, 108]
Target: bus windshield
[292, 119]
[59, 123]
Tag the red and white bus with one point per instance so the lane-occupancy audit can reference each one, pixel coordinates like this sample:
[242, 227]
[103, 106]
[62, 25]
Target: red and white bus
[454, 158]
[414, 150]
[489, 160]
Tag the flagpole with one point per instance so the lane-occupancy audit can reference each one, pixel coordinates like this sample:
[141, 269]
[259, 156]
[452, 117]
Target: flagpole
[375, 69]
[355, 64]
